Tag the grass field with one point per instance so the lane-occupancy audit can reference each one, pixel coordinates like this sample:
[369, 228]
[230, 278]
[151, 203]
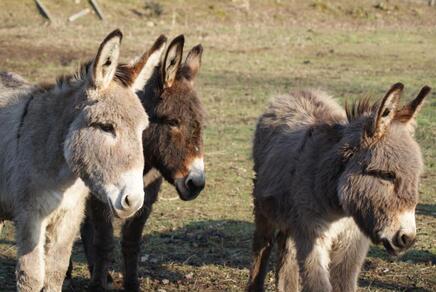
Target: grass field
[253, 51]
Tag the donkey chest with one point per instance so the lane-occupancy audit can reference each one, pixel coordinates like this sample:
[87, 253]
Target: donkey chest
[341, 233]
[70, 199]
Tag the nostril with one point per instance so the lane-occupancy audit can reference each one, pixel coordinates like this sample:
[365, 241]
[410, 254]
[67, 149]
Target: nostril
[190, 183]
[405, 240]
[195, 183]
[126, 201]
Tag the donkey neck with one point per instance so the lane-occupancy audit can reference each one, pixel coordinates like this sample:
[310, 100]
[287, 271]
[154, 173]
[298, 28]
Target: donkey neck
[151, 95]
[150, 98]
[44, 125]
[150, 134]
[327, 170]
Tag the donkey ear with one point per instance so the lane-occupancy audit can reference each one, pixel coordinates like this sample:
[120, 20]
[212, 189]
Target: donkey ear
[106, 61]
[410, 110]
[144, 67]
[172, 61]
[386, 110]
[193, 62]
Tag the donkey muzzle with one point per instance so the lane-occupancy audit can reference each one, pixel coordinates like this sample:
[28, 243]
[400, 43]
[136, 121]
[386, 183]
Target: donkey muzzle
[190, 186]
[404, 239]
[127, 196]
[399, 241]
[124, 204]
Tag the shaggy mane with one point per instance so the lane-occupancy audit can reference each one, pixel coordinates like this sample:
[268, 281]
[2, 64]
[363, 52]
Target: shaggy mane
[79, 76]
[359, 108]
[122, 75]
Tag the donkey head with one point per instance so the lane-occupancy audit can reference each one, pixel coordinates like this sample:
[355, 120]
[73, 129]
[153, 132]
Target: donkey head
[173, 142]
[103, 145]
[383, 163]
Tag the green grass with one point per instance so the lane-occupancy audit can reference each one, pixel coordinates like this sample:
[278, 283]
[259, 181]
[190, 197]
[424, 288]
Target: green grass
[250, 56]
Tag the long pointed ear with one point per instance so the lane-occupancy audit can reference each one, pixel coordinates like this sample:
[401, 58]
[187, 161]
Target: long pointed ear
[386, 111]
[144, 67]
[172, 61]
[410, 110]
[106, 61]
[193, 62]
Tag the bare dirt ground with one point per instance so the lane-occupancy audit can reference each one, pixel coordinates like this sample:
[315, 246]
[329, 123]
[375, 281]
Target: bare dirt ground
[253, 51]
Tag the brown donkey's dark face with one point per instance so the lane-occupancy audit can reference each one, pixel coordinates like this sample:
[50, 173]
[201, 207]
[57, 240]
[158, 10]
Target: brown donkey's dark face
[173, 142]
[379, 186]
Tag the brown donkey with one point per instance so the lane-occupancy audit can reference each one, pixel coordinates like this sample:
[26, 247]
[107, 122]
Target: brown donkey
[173, 149]
[60, 142]
[327, 181]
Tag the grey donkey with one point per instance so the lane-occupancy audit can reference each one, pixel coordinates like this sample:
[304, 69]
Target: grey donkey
[328, 181]
[59, 143]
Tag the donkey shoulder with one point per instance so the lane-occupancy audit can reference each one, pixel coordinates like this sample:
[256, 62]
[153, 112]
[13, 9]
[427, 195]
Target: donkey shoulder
[13, 87]
[300, 108]
[15, 93]
[10, 81]
[281, 134]
[287, 116]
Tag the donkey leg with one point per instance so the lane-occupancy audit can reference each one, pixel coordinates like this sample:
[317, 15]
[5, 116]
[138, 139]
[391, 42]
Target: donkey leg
[87, 235]
[263, 240]
[130, 246]
[347, 260]
[313, 255]
[132, 234]
[103, 243]
[30, 238]
[69, 274]
[287, 265]
[60, 239]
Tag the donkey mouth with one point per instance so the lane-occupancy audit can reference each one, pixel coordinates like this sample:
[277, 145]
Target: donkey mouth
[112, 209]
[118, 214]
[390, 248]
[185, 193]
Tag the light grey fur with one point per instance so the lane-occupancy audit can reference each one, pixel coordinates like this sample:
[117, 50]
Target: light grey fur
[58, 145]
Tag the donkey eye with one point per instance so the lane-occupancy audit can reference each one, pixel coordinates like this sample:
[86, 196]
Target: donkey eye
[108, 128]
[385, 175]
[174, 122]
[388, 175]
